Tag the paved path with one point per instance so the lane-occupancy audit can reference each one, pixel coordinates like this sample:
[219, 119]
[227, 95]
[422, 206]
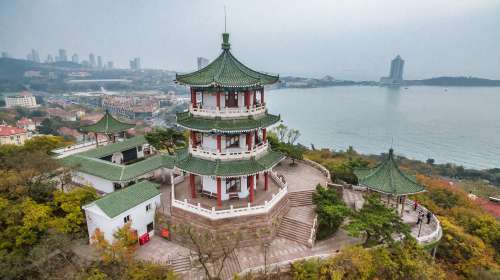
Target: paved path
[300, 176]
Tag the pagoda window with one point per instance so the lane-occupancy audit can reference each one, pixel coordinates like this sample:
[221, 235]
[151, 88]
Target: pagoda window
[232, 141]
[231, 99]
[233, 185]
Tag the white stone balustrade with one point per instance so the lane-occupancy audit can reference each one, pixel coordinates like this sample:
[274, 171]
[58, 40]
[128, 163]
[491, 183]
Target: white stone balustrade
[257, 151]
[214, 214]
[436, 234]
[239, 112]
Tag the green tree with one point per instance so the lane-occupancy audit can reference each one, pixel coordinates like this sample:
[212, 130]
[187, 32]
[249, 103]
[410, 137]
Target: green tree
[166, 139]
[69, 204]
[377, 222]
[331, 211]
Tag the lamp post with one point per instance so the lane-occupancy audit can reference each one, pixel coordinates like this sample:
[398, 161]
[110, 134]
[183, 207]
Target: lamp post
[420, 225]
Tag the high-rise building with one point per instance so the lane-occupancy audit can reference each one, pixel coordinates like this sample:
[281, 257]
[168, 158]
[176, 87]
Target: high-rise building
[62, 55]
[135, 64]
[74, 58]
[34, 56]
[49, 59]
[396, 73]
[99, 61]
[5, 55]
[92, 60]
[202, 62]
[110, 65]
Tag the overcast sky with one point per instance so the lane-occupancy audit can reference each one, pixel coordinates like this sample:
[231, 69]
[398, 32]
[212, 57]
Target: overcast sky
[346, 39]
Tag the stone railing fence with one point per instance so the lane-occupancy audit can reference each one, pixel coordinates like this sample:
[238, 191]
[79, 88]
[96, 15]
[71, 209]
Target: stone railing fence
[77, 148]
[319, 167]
[256, 151]
[214, 214]
[212, 112]
[436, 234]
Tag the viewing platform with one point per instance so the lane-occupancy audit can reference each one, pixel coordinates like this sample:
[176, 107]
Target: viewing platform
[227, 112]
[230, 154]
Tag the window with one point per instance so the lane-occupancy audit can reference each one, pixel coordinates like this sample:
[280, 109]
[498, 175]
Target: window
[232, 99]
[232, 141]
[150, 227]
[139, 148]
[148, 207]
[233, 185]
[126, 219]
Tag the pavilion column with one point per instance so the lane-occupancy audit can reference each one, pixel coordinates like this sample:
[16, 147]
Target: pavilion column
[266, 180]
[218, 100]
[192, 184]
[193, 138]
[193, 97]
[254, 97]
[251, 188]
[262, 96]
[219, 192]
[403, 205]
[264, 135]
[219, 144]
[249, 140]
[247, 99]
[96, 140]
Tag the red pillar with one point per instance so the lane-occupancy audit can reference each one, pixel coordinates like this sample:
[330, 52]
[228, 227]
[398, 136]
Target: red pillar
[254, 97]
[262, 96]
[266, 180]
[193, 97]
[249, 140]
[193, 138]
[247, 99]
[250, 184]
[219, 143]
[219, 193]
[264, 135]
[193, 187]
[218, 100]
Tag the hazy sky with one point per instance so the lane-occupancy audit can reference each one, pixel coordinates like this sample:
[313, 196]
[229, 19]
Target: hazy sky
[346, 39]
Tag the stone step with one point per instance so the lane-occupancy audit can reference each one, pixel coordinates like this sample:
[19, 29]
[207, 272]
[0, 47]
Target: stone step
[295, 230]
[295, 223]
[180, 264]
[231, 267]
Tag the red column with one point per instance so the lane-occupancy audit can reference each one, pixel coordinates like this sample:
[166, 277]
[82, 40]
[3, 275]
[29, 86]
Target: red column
[193, 138]
[247, 99]
[262, 96]
[266, 180]
[264, 135]
[219, 143]
[219, 193]
[193, 187]
[254, 97]
[250, 184]
[218, 100]
[193, 97]
[249, 140]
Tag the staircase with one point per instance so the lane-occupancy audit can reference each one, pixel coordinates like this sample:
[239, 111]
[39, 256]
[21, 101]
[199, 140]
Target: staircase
[180, 265]
[297, 224]
[301, 198]
[231, 267]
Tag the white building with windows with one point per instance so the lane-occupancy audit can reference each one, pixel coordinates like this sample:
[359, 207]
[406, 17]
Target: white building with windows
[135, 204]
[24, 99]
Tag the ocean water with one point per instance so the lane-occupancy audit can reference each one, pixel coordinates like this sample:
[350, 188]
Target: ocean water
[456, 124]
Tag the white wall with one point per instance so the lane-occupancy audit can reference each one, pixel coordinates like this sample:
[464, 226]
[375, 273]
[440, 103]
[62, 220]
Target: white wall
[97, 183]
[209, 142]
[210, 184]
[210, 100]
[139, 218]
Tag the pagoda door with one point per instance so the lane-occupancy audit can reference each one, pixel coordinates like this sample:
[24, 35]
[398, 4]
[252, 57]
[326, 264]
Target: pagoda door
[232, 99]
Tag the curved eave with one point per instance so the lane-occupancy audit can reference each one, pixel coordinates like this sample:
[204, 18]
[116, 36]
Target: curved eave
[376, 189]
[188, 121]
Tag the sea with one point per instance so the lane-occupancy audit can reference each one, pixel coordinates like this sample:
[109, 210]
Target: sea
[460, 125]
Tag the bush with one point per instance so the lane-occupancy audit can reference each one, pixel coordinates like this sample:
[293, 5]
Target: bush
[331, 211]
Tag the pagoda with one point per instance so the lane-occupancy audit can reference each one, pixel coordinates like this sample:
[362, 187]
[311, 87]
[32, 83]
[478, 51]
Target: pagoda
[108, 126]
[227, 121]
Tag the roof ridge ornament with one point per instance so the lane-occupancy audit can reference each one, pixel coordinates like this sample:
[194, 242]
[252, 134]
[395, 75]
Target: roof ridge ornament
[225, 41]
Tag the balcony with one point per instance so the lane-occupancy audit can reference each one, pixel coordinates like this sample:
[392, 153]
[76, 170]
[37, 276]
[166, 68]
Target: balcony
[227, 112]
[257, 151]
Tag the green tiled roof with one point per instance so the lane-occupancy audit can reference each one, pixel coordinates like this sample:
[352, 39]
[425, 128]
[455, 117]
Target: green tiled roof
[226, 71]
[107, 124]
[185, 119]
[116, 147]
[118, 172]
[388, 178]
[199, 166]
[122, 200]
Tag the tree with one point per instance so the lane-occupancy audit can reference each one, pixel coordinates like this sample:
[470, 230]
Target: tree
[430, 161]
[377, 222]
[292, 135]
[166, 139]
[72, 219]
[211, 249]
[331, 211]
[281, 131]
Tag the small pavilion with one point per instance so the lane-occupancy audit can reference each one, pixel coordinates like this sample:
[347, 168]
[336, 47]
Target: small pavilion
[107, 125]
[388, 179]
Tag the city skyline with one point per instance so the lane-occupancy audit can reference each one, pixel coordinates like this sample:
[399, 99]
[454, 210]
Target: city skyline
[344, 40]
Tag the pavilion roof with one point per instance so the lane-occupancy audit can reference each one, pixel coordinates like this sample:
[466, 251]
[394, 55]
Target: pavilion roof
[388, 178]
[107, 124]
[188, 163]
[119, 146]
[226, 71]
[185, 119]
[115, 203]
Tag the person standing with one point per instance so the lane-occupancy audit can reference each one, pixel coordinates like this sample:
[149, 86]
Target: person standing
[429, 216]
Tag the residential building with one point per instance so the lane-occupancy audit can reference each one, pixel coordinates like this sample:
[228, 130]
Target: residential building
[99, 62]
[63, 114]
[74, 58]
[135, 204]
[62, 55]
[33, 56]
[396, 72]
[12, 135]
[49, 59]
[135, 64]
[92, 60]
[27, 124]
[202, 62]
[111, 65]
[24, 99]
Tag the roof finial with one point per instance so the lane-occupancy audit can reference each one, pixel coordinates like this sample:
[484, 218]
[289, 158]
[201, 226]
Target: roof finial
[225, 19]
[225, 35]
